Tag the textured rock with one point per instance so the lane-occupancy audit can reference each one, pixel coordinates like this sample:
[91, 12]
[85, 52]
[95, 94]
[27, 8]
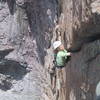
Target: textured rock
[26, 26]
[27, 30]
[83, 72]
[79, 22]
[82, 31]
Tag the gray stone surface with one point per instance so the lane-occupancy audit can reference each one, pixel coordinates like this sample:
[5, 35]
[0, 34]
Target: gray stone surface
[26, 27]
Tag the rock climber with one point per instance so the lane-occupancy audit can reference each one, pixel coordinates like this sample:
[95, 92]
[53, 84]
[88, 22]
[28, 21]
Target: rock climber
[61, 55]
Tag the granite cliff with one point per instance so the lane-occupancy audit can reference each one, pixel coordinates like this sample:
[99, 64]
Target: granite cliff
[27, 31]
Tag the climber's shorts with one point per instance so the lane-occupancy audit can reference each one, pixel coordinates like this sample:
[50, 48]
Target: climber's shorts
[60, 67]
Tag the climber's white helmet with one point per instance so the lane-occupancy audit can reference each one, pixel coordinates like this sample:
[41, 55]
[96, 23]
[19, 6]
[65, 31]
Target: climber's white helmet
[56, 44]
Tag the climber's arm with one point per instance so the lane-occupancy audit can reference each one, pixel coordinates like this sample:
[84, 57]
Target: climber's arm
[65, 54]
[68, 54]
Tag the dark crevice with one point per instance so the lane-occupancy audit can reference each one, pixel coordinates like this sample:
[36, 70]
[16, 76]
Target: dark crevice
[11, 5]
[59, 7]
[91, 38]
[39, 29]
[86, 40]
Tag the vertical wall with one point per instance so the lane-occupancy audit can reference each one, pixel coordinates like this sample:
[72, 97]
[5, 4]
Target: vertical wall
[81, 36]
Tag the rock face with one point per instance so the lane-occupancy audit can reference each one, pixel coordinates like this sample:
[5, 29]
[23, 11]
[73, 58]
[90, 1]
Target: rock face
[25, 34]
[79, 23]
[82, 21]
[27, 30]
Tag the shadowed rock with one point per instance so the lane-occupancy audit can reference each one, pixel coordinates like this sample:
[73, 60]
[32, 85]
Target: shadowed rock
[10, 70]
[5, 52]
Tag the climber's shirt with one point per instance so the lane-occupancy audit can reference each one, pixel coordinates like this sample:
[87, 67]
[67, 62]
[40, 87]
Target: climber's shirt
[61, 57]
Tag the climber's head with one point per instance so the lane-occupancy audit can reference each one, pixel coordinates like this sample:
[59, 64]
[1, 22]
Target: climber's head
[61, 47]
[58, 46]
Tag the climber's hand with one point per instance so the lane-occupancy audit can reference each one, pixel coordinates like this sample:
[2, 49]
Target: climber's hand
[69, 54]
